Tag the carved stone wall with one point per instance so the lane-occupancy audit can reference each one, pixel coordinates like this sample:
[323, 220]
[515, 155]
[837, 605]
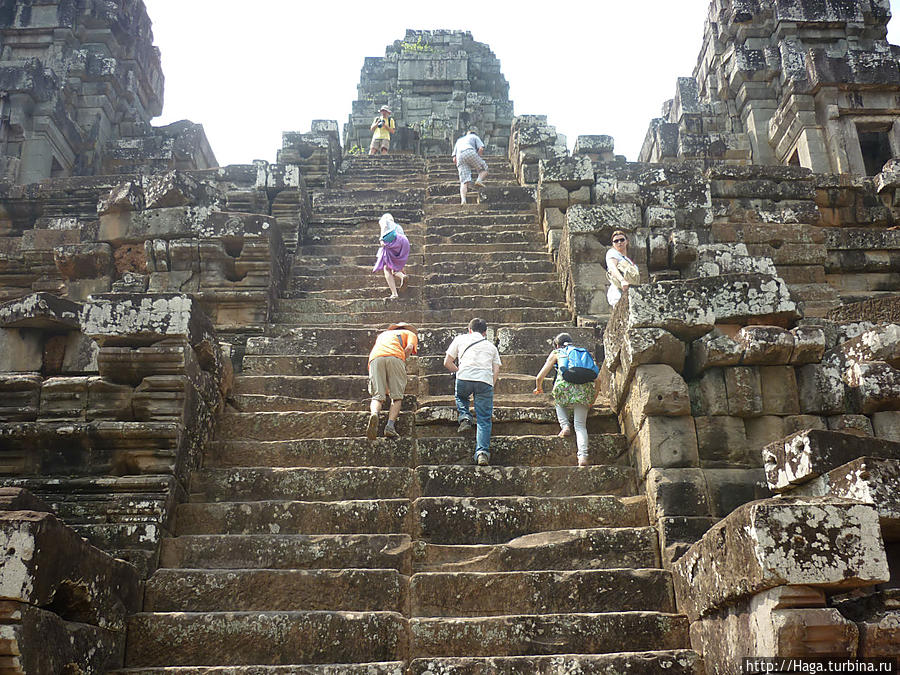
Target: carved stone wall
[79, 84]
[438, 84]
[813, 84]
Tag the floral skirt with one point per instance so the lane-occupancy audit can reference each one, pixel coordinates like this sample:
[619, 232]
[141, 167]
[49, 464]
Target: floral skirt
[569, 394]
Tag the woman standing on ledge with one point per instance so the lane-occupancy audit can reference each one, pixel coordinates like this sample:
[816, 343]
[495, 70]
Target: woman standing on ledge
[393, 252]
[620, 269]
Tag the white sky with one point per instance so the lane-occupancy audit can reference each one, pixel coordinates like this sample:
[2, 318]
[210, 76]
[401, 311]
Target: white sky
[249, 71]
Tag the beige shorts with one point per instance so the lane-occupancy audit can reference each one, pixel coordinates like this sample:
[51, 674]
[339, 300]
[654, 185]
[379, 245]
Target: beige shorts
[387, 378]
[379, 143]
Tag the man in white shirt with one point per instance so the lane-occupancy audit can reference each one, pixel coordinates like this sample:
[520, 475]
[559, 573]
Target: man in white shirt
[476, 375]
[467, 155]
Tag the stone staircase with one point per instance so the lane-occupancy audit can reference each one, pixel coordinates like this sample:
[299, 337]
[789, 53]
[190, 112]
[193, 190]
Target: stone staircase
[306, 549]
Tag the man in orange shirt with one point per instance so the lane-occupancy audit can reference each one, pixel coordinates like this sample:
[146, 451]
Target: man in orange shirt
[387, 374]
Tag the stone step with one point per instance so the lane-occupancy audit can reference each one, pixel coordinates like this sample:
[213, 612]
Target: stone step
[526, 635]
[540, 264]
[401, 310]
[327, 366]
[357, 451]
[511, 420]
[672, 662]
[520, 385]
[287, 551]
[301, 483]
[282, 426]
[368, 212]
[268, 590]
[335, 341]
[494, 481]
[389, 668]
[479, 594]
[335, 386]
[373, 287]
[273, 638]
[445, 302]
[374, 283]
[594, 548]
[348, 483]
[372, 516]
[249, 403]
[522, 292]
[494, 520]
[366, 257]
[454, 222]
[520, 451]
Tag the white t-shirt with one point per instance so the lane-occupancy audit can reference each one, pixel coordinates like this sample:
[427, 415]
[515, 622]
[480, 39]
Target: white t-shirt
[613, 294]
[477, 363]
[467, 142]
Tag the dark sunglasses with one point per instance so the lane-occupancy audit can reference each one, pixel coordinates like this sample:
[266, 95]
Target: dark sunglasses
[619, 241]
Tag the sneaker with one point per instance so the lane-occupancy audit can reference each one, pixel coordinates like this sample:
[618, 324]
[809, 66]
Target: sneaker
[465, 424]
[478, 183]
[372, 427]
[565, 433]
[391, 432]
[582, 460]
[482, 458]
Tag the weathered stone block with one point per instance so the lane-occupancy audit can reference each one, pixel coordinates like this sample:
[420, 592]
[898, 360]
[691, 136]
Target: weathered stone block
[21, 351]
[683, 245]
[758, 547]
[713, 350]
[886, 425]
[744, 390]
[127, 196]
[859, 425]
[655, 390]
[868, 480]
[44, 556]
[84, 261]
[20, 397]
[874, 386]
[144, 319]
[730, 488]
[809, 345]
[603, 218]
[138, 226]
[881, 343]
[821, 389]
[651, 345]
[708, 394]
[795, 423]
[721, 440]
[172, 189]
[666, 442]
[808, 454]
[571, 172]
[40, 310]
[761, 431]
[677, 492]
[780, 395]
[765, 345]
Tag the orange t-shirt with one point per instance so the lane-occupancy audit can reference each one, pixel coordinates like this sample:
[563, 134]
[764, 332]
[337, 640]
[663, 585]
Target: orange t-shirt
[394, 343]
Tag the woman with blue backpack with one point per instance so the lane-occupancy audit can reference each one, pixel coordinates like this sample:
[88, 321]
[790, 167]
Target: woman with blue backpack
[576, 388]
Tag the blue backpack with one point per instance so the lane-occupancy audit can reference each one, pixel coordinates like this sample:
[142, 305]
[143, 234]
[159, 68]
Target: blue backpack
[577, 365]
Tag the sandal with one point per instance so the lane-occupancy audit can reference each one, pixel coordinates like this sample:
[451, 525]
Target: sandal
[565, 433]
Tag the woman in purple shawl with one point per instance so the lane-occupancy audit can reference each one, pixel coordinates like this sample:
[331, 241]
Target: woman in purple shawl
[392, 254]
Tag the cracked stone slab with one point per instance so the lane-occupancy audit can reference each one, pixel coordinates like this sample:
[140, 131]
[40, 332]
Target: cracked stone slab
[40, 310]
[821, 542]
[810, 453]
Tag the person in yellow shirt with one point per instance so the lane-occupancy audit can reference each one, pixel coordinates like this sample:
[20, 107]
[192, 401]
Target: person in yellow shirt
[387, 374]
[382, 129]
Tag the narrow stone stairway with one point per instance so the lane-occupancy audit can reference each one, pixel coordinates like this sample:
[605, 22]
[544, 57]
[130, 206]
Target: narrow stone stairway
[305, 548]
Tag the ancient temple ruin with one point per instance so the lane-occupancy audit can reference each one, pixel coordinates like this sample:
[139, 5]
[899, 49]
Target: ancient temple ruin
[438, 84]
[186, 486]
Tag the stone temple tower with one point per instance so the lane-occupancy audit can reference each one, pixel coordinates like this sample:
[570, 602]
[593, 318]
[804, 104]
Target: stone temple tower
[813, 84]
[437, 83]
